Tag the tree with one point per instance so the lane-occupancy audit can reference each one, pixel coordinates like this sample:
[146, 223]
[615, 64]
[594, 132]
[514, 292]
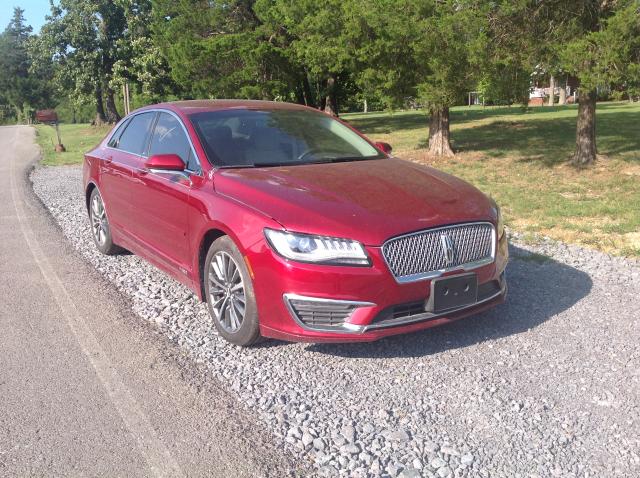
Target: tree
[450, 40]
[218, 49]
[140, 60]
[385, 66]
[580, 35]
[81, 37]
[23, 90]
[430, 53]
[604, 52]
[319, 44]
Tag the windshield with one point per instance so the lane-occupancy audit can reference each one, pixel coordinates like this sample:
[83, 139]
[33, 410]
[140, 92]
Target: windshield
[250, 138]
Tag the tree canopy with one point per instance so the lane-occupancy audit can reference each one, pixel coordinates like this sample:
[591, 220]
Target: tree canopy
[336, 55]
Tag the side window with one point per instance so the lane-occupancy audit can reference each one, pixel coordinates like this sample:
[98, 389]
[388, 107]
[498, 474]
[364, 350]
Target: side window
[134, 137]
[115, 137]
[170, 138]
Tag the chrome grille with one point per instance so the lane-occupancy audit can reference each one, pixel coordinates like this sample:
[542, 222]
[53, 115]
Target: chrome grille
[422, 254]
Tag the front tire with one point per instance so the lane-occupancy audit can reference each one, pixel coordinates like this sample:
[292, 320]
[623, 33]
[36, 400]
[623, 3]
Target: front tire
[100, 229]
[229, 294]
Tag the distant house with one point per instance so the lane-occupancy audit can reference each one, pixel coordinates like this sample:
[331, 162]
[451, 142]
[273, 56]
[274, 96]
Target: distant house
[541, 90]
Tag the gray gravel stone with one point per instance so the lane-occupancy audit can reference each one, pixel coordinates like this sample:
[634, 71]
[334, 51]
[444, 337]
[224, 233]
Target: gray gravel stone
[410, 473]
[350, 449]
[307, 439]
[319, 444]
[399, 436]
[444, 472]
[544, 384]
[466, 459]
[438, 462]
[449, 450]
[349, 433]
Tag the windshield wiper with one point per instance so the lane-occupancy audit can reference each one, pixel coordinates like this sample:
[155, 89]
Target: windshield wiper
[339, 159]
[236, 166]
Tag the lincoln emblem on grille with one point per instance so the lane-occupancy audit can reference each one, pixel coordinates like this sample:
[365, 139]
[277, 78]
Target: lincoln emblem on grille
[447, 248]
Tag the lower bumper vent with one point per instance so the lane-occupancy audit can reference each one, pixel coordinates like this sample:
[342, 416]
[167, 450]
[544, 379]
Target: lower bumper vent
[487, 291]
[316, 313]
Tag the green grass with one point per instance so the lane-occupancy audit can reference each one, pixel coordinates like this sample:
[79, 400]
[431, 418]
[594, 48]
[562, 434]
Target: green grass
[77, 139]
[520, 157]
[533, 257]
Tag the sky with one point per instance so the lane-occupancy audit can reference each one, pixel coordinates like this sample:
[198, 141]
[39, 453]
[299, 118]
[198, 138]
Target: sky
[34, 12]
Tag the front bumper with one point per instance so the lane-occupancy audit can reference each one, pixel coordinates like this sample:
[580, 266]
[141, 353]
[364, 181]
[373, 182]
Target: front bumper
[374, 303]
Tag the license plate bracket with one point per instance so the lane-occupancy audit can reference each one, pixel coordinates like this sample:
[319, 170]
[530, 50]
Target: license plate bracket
[453, 292]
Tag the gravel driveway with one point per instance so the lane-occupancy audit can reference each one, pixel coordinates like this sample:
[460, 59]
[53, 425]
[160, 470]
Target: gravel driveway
[545, 385]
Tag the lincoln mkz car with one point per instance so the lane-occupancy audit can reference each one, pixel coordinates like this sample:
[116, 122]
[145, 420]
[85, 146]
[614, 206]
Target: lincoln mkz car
[291, 224]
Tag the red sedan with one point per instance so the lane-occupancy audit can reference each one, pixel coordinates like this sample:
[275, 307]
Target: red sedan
[291, 224]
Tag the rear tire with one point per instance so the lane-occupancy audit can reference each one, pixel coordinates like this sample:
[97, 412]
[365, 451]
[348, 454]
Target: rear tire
[229, 294]
[100, 229]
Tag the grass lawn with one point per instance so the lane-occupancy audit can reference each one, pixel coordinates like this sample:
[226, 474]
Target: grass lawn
[519, 158]
[77, 139]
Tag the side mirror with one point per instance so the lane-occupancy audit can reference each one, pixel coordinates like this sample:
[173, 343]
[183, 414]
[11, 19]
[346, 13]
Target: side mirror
[385, 147]
[165, 162]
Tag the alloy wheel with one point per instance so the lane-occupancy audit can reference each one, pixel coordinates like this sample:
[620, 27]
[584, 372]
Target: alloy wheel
[227, 292]
[99, 223]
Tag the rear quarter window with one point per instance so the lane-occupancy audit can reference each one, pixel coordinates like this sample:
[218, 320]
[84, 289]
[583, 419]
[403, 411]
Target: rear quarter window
[115, 137]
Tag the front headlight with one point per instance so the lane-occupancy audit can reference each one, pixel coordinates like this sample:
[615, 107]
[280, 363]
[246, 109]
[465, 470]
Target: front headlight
[318, 249]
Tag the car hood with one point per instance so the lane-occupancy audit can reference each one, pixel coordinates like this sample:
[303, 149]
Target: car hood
[369, 201]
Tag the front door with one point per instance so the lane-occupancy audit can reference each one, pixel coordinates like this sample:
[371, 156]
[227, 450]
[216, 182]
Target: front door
[160, 199]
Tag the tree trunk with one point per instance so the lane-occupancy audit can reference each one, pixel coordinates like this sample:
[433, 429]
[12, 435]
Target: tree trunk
[331, 104]
[552, 90]
[586, 151]
[112, 111]
[306, 91]
[562, 100]
[439, 144]
[100, 117]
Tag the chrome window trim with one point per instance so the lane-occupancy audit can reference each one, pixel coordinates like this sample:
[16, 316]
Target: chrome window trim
[165, 172]
[469, 266]
[184, 129]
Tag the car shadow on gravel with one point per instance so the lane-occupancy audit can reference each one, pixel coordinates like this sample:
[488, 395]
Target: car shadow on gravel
[539, 289]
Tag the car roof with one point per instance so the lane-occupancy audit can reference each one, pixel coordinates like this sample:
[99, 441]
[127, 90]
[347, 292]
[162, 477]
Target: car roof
[200, 106]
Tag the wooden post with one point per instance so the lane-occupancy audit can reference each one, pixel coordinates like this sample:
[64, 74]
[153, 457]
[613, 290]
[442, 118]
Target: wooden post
[59, 148]
[469, 99]
[126, 85]
[58, 133]
[125, 98]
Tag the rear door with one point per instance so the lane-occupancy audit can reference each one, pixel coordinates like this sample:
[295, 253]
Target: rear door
[122, 157]
[160, 198]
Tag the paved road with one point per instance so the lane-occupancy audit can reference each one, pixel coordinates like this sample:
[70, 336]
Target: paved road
[85, 387]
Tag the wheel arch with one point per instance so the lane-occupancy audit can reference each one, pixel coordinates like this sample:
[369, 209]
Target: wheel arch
[205, 243]
[87, 193]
